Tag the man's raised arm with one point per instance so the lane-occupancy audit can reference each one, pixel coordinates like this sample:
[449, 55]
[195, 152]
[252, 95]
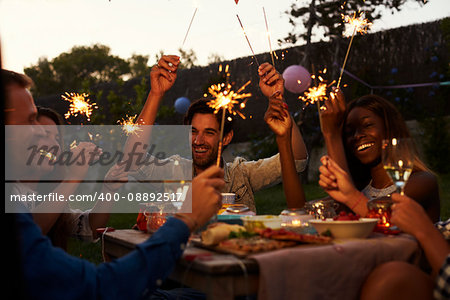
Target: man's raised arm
[162, 78]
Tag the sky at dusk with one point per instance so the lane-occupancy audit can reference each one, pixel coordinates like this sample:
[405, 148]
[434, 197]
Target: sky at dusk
[30, 29]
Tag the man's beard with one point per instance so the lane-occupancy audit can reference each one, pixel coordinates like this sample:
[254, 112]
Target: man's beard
[208, 161]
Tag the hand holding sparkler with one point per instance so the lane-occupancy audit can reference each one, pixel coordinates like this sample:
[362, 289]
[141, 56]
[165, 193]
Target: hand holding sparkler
[225, 99]
[333, 115]
[164, 74]
[116, 177]
[78, 170]
[278, 119]
[338, 184]
[270, 81]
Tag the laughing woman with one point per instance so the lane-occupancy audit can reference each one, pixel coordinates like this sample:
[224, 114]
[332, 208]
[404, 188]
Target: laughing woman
[353, 137]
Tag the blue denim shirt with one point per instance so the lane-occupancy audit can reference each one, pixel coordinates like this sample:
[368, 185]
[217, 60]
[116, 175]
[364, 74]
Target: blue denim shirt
[51, 273]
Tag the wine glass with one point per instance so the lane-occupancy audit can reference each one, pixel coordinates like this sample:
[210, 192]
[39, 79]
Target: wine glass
[397, 157]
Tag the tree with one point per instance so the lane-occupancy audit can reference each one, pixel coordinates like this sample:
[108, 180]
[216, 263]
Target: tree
[119, 86]
[81, 66]
[187, 58]
[139, 65]
[326, 17]
[215, 58]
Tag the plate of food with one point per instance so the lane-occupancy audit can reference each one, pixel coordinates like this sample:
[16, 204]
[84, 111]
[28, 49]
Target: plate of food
[287, 235]
[345, 226]
[236, 240]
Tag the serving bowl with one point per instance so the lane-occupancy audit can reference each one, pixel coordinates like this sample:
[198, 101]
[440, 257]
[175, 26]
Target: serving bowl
[345, 229]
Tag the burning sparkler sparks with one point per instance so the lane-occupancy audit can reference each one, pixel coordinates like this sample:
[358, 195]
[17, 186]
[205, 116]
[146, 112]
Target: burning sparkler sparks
[73, 145]
[225, 99]
[317, 93]
[129, 125]
[360, 25]
[79, 104]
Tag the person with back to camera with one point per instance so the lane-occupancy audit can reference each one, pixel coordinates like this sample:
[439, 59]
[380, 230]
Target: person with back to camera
[50, 273]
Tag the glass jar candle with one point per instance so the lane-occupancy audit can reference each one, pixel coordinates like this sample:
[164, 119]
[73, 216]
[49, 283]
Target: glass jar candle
[294, 217]
[380, 208]
[322, 209]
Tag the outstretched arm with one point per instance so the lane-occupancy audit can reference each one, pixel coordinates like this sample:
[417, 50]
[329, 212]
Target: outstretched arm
[272, 86]
[162, 78]
[280, 122]
[410, 217]
[332, 125]
[75, 174]
[99, 215]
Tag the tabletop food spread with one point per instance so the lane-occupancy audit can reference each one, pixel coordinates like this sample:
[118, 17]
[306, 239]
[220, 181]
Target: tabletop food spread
[250, 254]
[237, 240]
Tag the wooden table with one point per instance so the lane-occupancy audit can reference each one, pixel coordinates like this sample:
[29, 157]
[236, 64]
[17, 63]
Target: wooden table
[222, 276]
[218, 276]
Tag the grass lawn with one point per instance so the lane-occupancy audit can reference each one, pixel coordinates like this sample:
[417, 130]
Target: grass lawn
[268, 201]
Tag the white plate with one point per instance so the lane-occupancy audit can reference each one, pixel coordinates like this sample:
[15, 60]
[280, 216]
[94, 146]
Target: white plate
[345, 229]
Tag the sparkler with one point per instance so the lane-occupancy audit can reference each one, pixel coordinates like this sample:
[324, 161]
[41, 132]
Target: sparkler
[225, 99]
[360, 25]
[189, 28]
[79, 104]
[317, 93]
[246, 37]
[129, 126]
[268, 37]
[73, 144]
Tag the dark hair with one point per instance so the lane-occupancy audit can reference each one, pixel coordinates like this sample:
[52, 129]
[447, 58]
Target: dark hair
[394, 127]
[201, 107]
[61, 230]
[51, 114]
[11, 77]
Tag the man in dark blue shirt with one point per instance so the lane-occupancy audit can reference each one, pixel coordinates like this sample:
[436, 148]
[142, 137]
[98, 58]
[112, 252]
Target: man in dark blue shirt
[50, 273]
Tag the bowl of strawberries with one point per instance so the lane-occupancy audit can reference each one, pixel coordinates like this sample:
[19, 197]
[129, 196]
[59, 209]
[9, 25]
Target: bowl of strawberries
[345, 225]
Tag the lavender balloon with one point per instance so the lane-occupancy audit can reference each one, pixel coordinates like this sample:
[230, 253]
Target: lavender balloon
[296, 79]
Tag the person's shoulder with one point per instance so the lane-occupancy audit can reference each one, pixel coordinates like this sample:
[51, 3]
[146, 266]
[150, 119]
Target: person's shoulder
[237, 160]
[424, 178]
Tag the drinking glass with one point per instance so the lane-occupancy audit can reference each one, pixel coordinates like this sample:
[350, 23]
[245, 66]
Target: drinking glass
[397, 158]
